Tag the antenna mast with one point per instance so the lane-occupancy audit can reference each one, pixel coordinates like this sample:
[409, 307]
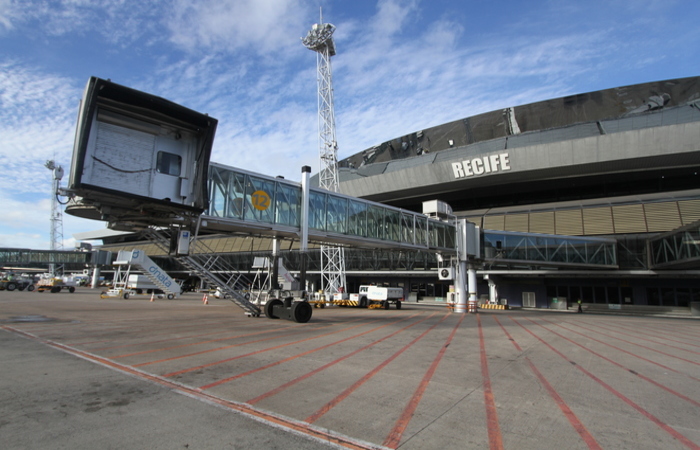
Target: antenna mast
[320, 40]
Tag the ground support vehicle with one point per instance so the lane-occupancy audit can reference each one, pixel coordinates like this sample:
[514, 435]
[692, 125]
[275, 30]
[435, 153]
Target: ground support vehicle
[19, 284]
[55, 285]
[376, 297]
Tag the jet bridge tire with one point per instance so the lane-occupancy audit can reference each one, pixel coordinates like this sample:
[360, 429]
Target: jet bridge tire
[271, 304]
[302, 312]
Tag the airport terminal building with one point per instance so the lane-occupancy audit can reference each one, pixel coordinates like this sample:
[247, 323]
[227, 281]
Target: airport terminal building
[620, 163]
[593, 196]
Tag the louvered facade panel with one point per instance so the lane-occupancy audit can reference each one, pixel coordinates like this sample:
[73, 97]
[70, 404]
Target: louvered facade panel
[662, 216]
[569, 222]
[597, 221]
[690, 211]
[494, 223]
[542, 222]
[516, 222]
[229, 244]
[629, 219]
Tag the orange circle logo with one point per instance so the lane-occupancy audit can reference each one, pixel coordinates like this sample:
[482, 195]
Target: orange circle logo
[261, 200]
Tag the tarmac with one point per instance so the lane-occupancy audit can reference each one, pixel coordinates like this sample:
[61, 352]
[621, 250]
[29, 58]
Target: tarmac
[82, 372]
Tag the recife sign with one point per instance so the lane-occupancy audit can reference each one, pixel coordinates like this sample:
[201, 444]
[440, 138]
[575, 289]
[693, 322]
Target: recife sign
[481, 165]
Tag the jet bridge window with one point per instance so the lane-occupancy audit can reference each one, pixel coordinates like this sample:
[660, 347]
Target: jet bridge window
[169, 163]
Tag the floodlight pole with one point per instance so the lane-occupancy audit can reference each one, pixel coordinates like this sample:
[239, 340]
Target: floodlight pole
[56, 235]
[320, 40]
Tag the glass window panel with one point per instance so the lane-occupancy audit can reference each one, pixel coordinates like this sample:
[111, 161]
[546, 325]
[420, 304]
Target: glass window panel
[391, 225]
[317, 210]
[653, 297]
[357, 218]
[168, 164]
[337, 214]
[375, 222]
[288, 205]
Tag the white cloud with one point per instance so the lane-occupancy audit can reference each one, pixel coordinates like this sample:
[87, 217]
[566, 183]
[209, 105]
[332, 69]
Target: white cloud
[260, 26]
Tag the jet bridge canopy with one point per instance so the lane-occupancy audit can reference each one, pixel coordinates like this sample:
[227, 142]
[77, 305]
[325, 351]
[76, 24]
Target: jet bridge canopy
[137, 154]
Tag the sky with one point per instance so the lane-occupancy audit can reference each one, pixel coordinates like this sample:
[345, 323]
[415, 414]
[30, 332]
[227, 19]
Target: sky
[401, 66]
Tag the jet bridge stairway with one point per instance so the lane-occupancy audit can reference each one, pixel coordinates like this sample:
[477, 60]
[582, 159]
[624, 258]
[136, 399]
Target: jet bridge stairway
[212, 268]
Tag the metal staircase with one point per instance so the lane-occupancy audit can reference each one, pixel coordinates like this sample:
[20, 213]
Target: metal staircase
[211, 267]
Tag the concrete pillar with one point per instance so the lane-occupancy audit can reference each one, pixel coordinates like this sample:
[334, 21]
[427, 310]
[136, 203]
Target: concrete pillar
[95, 278]
[461, 287]
[274, 272]
[471, 276]
[304, 219]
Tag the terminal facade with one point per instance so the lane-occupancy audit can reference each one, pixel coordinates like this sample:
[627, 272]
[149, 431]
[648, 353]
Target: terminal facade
[620, 163]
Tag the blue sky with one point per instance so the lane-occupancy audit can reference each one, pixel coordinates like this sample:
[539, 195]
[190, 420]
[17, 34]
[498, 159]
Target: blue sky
[401, 66]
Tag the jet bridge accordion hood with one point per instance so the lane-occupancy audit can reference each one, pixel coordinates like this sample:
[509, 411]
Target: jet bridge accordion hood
[137, 155]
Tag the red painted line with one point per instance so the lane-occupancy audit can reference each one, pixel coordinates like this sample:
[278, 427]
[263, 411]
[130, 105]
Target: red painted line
[568, 413]
[614, 330]
[573, 419]
[343, 395]
[626, 352]
[627, 369]
[684, 440]
[276, 363]
[228, 338]
[494, 429]
[642, 346]
[266, 417]
[510, 338]
[214, 363]
[394, 437]
[287, 385]
[639, 332]
[675, 329]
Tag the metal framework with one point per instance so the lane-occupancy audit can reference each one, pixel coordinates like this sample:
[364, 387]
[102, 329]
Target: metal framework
[320, 40]
[56, 214]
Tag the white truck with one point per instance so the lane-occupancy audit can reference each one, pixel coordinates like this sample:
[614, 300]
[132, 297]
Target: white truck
[378, 296]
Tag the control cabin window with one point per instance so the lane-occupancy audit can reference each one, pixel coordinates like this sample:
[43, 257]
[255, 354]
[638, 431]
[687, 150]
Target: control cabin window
[169, 164]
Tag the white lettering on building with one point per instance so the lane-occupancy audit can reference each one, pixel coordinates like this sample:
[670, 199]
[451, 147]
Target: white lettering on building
[479, 166]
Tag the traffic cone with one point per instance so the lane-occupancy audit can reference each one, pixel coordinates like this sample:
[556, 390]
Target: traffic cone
[205, 299]
[153, 298]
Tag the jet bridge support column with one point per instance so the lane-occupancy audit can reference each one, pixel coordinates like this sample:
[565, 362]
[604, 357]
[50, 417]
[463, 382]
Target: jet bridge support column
[468, 253]
[471, 275]
[274, 274]
[304, 222]
[461, 286]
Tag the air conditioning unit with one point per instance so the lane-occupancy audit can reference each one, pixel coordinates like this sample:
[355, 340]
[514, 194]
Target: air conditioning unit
[446, 273]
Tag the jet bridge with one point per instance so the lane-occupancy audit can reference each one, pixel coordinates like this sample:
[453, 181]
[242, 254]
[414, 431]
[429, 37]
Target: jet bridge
[141, 163]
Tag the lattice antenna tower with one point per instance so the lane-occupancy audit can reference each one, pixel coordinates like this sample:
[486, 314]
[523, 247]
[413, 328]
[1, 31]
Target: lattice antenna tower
[56, 213]
[320, 40]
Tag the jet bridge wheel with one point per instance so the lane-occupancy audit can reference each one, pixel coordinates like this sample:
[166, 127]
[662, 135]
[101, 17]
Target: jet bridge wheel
[271, 304]
[301, 312]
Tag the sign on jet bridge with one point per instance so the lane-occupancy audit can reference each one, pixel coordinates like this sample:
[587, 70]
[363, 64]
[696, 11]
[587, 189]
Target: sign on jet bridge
[481, 165]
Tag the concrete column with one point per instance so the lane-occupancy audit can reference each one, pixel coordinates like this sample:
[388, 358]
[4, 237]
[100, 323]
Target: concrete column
[304, 241]
[461, 287]
[274, 272]
[471, 276]
[95, 278]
